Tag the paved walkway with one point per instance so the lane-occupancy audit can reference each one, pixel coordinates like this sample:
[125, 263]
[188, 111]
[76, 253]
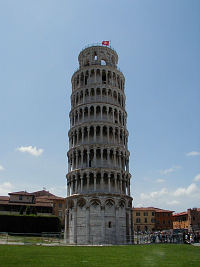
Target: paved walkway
[196, 244]
[4, 242]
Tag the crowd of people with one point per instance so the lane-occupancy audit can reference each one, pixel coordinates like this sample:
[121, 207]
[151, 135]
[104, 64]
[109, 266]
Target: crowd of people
[191, 238]
[169, 236]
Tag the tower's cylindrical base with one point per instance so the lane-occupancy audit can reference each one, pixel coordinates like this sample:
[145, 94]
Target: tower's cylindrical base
[99, 219]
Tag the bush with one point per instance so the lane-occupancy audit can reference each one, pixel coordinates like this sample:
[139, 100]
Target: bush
[28, 210]
[21, 210]
[34, 210]
[29, 224]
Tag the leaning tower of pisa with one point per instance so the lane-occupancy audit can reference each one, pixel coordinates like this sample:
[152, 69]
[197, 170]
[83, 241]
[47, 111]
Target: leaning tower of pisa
[99, 205]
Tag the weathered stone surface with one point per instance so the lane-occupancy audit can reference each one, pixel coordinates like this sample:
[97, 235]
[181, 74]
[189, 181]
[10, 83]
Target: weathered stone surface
[99, 204]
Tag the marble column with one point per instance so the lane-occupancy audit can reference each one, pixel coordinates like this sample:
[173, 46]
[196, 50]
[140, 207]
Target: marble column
[103, 224]
[88, 182]
[66, 225]
[95, 182]
[87, 225]
[75, 226]
[109, 183]
[117, 224]
[81, 183]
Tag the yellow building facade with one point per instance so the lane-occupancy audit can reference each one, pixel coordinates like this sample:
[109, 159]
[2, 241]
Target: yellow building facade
[144, 219]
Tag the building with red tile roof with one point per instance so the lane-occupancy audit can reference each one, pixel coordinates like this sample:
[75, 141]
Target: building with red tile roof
[45, 203]
[152, 219]
[189, 220]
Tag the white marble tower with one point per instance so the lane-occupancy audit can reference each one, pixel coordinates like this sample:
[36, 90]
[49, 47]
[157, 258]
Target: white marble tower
[99, 205]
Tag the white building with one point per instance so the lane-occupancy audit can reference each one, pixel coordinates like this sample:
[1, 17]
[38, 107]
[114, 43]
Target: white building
[99, 205]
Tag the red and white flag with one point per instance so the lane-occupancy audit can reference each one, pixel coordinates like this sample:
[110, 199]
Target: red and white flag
[105, 43]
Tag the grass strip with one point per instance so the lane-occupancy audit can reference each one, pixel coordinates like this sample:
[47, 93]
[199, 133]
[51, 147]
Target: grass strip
[122, 256]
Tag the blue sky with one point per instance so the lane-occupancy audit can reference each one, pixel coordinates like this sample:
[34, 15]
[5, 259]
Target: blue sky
[158, 43]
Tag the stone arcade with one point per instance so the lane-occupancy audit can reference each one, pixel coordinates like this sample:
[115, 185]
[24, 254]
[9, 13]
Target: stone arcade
[99, 205]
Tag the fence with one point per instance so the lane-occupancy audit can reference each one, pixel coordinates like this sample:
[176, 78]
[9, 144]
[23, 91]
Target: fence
[58, 239]
[142, 238]
[32, 238]
[136, 239]
[97, 240]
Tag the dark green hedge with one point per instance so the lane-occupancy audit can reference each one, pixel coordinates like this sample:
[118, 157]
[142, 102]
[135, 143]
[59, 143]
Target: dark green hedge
[29, 224]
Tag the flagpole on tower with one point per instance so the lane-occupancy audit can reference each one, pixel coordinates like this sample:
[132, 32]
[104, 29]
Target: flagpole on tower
[110, 43]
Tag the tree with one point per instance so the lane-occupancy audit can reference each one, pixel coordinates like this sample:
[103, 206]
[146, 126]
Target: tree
[21, 210]
[28, 210]
[34, 210]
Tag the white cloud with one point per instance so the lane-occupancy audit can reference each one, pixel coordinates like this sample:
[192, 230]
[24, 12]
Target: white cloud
[193, 153]
[154, 194]
[60, 191]
[172, 169]
[1, 168]
[197, 178]
[186, 191]
[144, 196]
[29, 149]
[160, 180]
[173, 202]
[139, 205]
[177, 199]
[5, 188]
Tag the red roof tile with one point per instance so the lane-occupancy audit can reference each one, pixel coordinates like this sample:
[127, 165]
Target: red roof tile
[22, 193]
[180, 213]
[150, 209]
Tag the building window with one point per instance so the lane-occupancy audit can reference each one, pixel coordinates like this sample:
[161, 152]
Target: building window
[137, 213]
[20, 197]
[153, 213]
[153, 220]
[145, 220]
[158, 215]
[60, 205]
[163, 214]
[138, 228]
[158, 221]
[163, 221]
[109, 225]
[138, 220]
[60, 214]
[146, 228]
[145, 213]
[169, 221]
[168, 214]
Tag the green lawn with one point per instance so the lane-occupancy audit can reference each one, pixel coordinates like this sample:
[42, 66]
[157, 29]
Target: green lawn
[123, 256]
